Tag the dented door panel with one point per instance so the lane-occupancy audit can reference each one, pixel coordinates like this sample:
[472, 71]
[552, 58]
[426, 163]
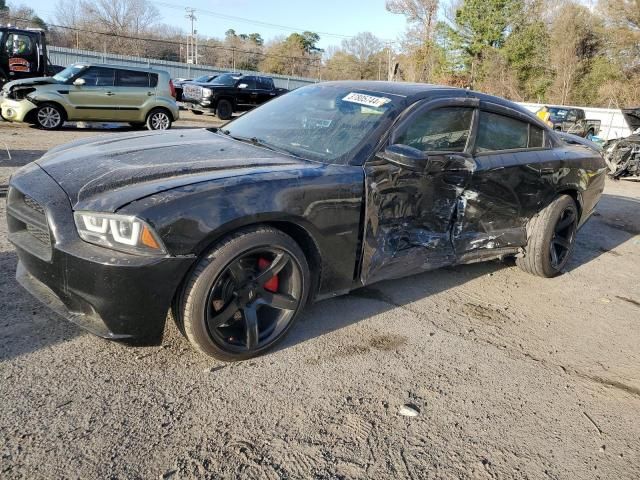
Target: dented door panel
[505, 191]
[408, 216]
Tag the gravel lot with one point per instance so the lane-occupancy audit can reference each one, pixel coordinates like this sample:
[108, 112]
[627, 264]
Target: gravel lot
[513, 376]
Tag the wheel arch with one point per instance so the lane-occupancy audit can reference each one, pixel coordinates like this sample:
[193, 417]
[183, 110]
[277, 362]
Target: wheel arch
[290, 226]
[228, 98]
[159, 107]
[38, 103]
[574, 193]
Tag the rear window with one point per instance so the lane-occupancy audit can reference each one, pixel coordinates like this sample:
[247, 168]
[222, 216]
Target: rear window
[131, 78]
[536, 137]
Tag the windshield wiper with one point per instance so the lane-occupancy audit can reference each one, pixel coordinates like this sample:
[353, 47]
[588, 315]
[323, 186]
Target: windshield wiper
[257, 142]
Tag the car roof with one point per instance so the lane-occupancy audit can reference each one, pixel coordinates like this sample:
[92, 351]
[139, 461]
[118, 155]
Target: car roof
[121, 67]
[418, 91]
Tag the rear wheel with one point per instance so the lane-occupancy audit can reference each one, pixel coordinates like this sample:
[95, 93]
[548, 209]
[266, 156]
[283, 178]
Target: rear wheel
[224, 110]
[552, 236]
[159, 119]
[244, 295]
[49, 116]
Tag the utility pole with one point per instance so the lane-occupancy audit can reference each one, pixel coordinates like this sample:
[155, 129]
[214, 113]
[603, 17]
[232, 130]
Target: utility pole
[193, 57]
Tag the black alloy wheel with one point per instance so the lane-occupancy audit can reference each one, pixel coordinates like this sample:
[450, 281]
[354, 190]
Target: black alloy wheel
[563, 236]
[244, 294]
[253, 300]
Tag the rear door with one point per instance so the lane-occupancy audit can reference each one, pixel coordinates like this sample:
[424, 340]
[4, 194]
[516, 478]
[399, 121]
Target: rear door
[408, 214]
[94, 100]
[133, 89]
[506, 188]
[21, 55]
[266, 89]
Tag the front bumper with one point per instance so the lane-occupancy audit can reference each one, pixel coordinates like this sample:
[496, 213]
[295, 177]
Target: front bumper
[16, 110]
[203, 105]
[114, 295]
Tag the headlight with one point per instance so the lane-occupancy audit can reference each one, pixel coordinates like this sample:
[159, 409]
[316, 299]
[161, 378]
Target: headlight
[119, 232]
[207, 92]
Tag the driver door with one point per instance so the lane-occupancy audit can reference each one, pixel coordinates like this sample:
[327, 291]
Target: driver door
[95, 99]
[409, 214]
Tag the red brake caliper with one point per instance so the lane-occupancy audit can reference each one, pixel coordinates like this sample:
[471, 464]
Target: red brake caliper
[272, 284]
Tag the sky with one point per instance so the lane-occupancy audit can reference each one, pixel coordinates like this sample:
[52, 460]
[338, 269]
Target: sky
[333, 19]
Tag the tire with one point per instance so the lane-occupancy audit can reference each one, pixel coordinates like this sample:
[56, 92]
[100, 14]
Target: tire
[551, 238]
[224, 110]
[227, 293]
[49, 116]
[159, 119]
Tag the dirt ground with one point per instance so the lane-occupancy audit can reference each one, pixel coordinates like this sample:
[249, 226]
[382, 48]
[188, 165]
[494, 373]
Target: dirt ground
[512, 376]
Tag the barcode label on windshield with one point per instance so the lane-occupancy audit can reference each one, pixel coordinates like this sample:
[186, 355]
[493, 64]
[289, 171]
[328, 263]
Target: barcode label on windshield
[367, 100]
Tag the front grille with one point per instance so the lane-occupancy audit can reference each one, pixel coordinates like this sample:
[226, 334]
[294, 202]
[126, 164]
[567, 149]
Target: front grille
[192, 92]
[32, 204]
[28, 225]
[41, 235]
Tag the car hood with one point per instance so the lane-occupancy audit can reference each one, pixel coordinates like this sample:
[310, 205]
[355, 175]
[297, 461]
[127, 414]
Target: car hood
[29, 82]
[106, 173]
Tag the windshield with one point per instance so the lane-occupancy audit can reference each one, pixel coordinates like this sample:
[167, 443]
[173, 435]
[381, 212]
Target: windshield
[326, 123]
[69, 72]
[558, 114]
[227, 79]
[203, 79]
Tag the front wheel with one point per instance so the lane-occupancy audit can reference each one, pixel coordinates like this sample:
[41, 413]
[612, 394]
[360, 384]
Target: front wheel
[224, 110]
[159, 119]
[552, 234]
[244, 294]
[49, 116]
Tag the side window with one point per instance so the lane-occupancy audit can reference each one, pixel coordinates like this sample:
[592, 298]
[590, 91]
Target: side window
[444, 129]
[153, 80]
[17, 44]
[98, 77]
[131, 78]
[265, 83]
[536, 137]
[497, 132]
[250, 81]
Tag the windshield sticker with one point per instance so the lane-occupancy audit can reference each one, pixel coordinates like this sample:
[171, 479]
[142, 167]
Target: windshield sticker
[366, 100]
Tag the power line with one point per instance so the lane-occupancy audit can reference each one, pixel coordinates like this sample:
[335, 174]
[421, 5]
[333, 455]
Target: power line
[253, 22]
[174, 42]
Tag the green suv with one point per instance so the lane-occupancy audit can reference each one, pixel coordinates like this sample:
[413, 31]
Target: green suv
[98, 93]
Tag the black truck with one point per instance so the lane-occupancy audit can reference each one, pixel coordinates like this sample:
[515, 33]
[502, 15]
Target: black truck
[23, 54]
[229, 93]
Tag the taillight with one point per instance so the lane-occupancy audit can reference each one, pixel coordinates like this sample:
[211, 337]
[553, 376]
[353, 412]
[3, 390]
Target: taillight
[172, 88]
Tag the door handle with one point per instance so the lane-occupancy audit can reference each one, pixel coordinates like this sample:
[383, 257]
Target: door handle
[109, 94]
[149, 94]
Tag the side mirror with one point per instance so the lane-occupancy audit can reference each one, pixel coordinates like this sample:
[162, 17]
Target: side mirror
[243, 85]
[406, 157]
[78, 82]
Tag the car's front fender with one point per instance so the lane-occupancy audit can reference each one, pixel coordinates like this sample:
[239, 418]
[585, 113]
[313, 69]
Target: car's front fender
[325, 202]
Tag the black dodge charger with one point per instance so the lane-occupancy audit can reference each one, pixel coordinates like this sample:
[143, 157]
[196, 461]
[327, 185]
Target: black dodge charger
[316, 193]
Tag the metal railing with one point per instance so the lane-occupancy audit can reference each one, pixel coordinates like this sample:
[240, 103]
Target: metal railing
[66, 56]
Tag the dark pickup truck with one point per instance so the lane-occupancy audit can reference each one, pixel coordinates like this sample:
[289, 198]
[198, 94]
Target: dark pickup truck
[574, 121]
[229, 93]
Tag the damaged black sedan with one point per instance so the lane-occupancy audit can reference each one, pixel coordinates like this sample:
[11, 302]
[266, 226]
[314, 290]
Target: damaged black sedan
[318, 192]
